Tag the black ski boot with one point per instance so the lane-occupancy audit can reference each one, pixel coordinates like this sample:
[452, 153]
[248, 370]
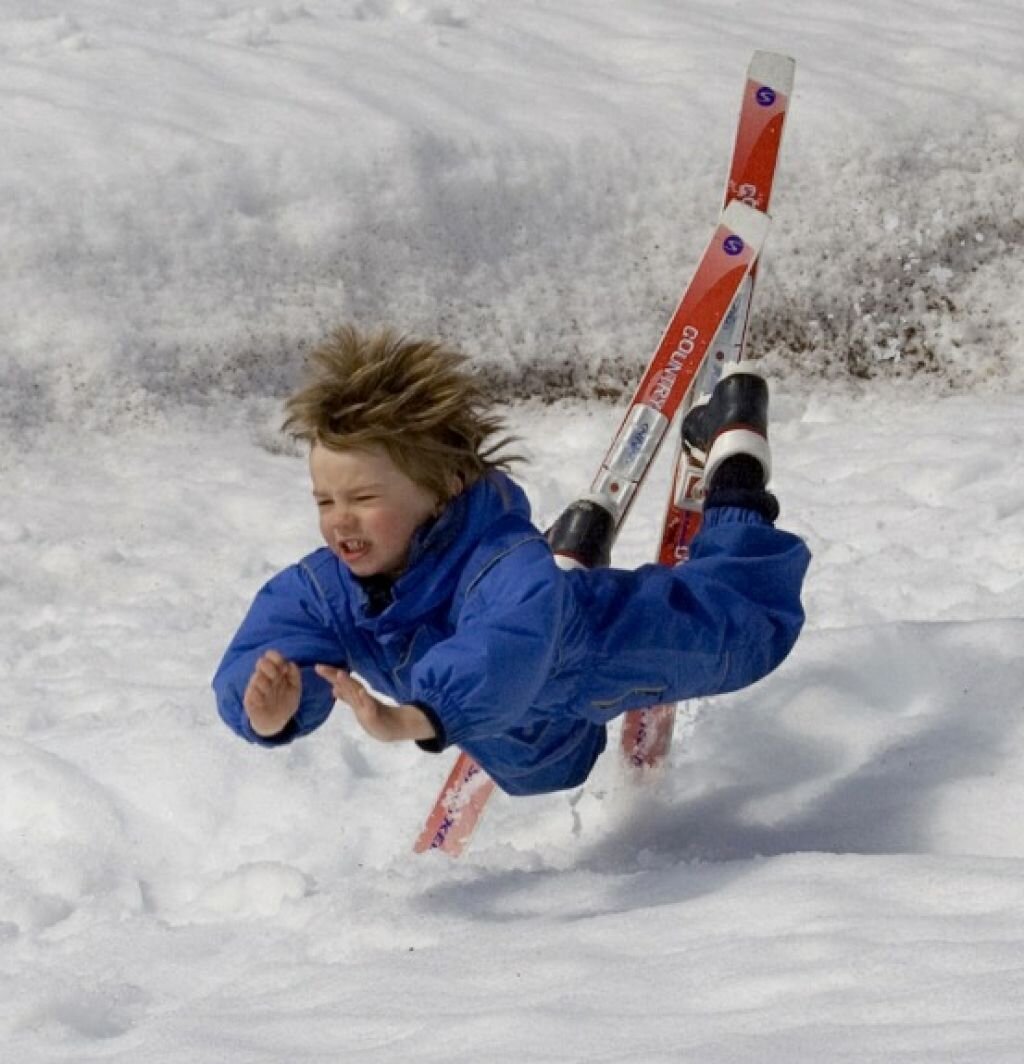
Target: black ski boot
[582, 536]
[728, 433]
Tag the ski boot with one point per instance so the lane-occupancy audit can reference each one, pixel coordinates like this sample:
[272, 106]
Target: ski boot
[582, 536]
[728, 433]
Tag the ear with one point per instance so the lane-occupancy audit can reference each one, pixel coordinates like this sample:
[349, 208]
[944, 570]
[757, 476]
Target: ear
[456, 484]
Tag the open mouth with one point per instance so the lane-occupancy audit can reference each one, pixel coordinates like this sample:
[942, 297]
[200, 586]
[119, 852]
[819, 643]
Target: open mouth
[352, 549]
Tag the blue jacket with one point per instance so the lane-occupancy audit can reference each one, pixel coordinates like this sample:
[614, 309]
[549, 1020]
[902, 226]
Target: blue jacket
[519, 663]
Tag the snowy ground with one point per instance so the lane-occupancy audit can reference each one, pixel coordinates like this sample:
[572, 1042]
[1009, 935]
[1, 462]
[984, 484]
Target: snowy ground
[832, 867]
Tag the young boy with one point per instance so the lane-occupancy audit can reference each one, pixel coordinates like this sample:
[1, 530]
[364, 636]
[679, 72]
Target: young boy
[437, 589]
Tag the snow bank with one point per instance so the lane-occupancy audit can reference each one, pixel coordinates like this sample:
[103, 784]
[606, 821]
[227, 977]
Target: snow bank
[193, 194]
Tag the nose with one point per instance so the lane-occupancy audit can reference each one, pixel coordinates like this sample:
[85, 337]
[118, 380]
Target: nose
[339, 524]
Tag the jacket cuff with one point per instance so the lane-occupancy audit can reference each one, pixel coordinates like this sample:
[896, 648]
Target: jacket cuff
[440, 739]
[757, 499]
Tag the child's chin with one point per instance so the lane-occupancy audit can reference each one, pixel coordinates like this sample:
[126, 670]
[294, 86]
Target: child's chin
[363, 567]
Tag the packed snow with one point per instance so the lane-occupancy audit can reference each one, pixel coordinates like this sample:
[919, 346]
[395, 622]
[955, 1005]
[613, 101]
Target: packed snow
[831, 866]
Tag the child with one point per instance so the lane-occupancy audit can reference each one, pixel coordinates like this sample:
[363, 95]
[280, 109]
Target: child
[437, 589]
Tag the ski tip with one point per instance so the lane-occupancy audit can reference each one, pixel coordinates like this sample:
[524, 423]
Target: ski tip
[747, 222]
[773, 70]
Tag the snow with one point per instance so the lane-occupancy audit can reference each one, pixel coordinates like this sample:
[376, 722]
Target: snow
[196, 191]
[832, 865]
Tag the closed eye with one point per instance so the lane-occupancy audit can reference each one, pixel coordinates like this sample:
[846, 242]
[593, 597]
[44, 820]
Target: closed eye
[323, 503]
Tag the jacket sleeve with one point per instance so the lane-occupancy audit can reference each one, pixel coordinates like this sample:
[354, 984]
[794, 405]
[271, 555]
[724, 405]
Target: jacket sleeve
[289, 615]
[483, 679]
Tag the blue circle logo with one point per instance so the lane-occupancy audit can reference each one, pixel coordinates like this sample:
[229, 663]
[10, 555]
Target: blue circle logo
[765, 96]
[733, 245]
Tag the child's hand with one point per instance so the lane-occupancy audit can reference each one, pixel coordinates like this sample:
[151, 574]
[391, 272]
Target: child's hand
[377, 719]
[272, 694]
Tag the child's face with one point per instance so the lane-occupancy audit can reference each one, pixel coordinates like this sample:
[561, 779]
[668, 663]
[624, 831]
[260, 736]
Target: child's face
[369, 509]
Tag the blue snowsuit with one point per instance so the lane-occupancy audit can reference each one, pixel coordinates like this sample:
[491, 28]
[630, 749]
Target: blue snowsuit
[515, 661]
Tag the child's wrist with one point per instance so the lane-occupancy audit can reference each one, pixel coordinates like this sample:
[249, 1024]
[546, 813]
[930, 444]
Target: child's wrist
[270, 729]
[267, 727]
[413, 723]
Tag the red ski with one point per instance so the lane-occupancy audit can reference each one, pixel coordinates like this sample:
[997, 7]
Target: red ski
[647, 733]
[457, 809]
[668, 380]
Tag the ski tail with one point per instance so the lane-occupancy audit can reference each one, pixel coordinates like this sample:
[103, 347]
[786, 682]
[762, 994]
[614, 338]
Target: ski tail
[721, 272]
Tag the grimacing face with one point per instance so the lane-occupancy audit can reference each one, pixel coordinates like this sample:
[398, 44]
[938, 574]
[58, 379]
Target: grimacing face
[369, 509]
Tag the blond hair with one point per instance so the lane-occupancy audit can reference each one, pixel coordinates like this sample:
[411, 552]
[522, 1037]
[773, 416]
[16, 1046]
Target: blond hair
[412, 397]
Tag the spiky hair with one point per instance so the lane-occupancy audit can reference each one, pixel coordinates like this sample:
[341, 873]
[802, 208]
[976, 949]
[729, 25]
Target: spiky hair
[415, 398]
